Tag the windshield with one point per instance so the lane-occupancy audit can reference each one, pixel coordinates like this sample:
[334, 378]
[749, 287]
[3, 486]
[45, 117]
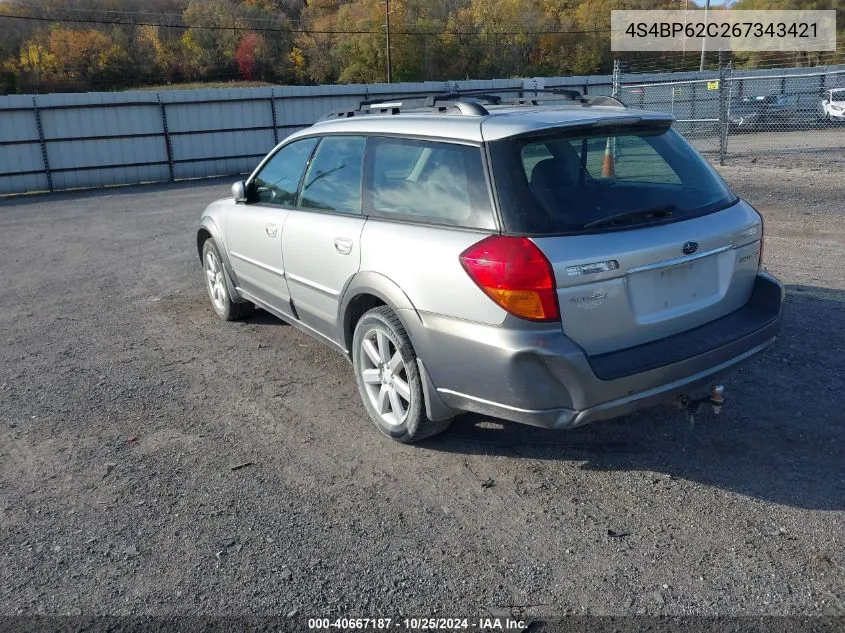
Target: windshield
[837, 96]
[612, 178]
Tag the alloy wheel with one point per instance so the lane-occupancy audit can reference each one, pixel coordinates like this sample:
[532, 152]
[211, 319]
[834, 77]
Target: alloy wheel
[385, 377]
[214, 280]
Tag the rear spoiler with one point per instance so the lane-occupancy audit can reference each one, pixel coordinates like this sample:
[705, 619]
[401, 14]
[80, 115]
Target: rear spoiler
[646, 121]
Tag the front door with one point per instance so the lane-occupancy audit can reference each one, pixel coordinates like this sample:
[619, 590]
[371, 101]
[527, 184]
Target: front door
[254, 229]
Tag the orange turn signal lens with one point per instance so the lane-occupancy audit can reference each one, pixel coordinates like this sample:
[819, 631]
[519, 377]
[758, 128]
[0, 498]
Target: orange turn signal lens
[524, 303]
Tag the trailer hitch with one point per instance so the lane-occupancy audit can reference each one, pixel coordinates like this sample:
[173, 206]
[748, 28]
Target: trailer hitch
[691, 407]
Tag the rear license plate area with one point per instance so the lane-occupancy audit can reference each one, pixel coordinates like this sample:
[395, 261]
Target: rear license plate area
[673, 288]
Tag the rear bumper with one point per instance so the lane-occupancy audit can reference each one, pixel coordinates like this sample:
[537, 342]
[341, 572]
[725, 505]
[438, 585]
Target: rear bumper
[537, 376]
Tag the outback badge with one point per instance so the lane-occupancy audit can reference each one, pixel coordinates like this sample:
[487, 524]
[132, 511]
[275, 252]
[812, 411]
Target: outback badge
[689, 248]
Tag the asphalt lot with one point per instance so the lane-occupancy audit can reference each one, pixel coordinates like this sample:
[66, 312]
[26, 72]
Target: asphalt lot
[778, 141]
[824, 143]
[125, 404]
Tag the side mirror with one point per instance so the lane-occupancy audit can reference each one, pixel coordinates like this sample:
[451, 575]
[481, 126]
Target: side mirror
[239, 191]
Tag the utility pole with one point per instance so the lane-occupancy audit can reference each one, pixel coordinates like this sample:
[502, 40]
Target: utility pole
[616, 78]
[387, 29]
[615, 89]
[724, 123]
[704, 43]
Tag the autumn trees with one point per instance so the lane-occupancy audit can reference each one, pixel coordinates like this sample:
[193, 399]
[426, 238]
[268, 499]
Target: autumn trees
[57, 45]
[110, 44]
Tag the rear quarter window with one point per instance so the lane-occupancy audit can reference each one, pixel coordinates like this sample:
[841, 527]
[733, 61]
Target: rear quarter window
[428, 181]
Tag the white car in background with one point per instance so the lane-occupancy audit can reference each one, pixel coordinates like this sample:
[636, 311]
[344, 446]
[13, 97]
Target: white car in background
[833, 104]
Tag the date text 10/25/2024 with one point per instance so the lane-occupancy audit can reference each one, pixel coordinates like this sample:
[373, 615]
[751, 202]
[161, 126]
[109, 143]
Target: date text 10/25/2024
[418, 624]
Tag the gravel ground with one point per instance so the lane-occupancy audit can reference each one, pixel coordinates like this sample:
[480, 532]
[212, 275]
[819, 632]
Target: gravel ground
[125, 406]
[826, 142]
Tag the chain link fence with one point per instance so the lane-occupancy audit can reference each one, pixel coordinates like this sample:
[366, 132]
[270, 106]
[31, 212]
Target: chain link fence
[728, 113]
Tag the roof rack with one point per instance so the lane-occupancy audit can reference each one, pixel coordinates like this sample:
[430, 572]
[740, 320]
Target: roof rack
[469, 102]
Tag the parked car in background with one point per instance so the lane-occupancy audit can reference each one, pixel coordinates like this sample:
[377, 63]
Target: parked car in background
[774, 112]
[763, 112]
[547, 264]
[833, 105]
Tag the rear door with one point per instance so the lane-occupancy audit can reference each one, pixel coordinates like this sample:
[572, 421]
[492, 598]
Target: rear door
[645, 239]
[254, 229]
[321, 239]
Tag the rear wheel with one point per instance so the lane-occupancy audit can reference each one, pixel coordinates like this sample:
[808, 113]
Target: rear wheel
[388, 378]
[215, 284]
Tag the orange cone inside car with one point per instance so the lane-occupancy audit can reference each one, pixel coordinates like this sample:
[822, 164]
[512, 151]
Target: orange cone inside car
[608, 169]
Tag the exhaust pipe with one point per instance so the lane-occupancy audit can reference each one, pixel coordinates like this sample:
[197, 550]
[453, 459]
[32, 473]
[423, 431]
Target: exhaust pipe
[717, 398]
[692, 406]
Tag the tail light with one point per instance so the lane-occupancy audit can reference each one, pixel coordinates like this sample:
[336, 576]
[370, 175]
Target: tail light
[515, 274]
[762, 239]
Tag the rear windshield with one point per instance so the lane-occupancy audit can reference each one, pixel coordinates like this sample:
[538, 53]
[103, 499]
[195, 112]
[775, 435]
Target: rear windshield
[608, 179]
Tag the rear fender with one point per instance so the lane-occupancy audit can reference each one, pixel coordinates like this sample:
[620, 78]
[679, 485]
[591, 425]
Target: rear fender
[384, 289]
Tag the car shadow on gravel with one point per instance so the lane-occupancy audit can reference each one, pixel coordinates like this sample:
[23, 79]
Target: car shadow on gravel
[780, 438]
[262, 317]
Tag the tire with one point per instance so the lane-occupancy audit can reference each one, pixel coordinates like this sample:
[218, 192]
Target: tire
[388, 378]
[215, 286]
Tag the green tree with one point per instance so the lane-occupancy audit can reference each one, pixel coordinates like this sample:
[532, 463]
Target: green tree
[210, 45]
[85, 59]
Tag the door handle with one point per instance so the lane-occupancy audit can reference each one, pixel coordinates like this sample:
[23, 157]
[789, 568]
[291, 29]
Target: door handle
[270, 229]
[343, 245]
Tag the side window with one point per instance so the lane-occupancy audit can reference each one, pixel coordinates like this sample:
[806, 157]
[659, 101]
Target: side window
[429, 181]
[278, 180]
[333, 180]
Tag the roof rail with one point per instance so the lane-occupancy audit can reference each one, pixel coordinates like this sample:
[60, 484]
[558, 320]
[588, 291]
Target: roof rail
[432, 100]
[467, 101]
[439, 102]
[605, 100]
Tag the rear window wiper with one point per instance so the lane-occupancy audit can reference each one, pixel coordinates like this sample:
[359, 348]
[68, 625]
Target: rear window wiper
[627, 216]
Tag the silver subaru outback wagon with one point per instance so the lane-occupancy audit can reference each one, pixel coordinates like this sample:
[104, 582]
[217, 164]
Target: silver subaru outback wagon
[550, 261]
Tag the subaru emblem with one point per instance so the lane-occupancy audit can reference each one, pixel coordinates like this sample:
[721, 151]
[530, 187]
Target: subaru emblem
[690, 247]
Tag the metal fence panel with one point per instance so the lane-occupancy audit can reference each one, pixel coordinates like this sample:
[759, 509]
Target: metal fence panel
[23, 184]
[304, 110]
[100, 121]
[245, 148]
[65, 141]
[17, 126]
[107, 176]
[20, 146]
[27, 157]
[214, 112]
[211, 168]
[87, 153]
